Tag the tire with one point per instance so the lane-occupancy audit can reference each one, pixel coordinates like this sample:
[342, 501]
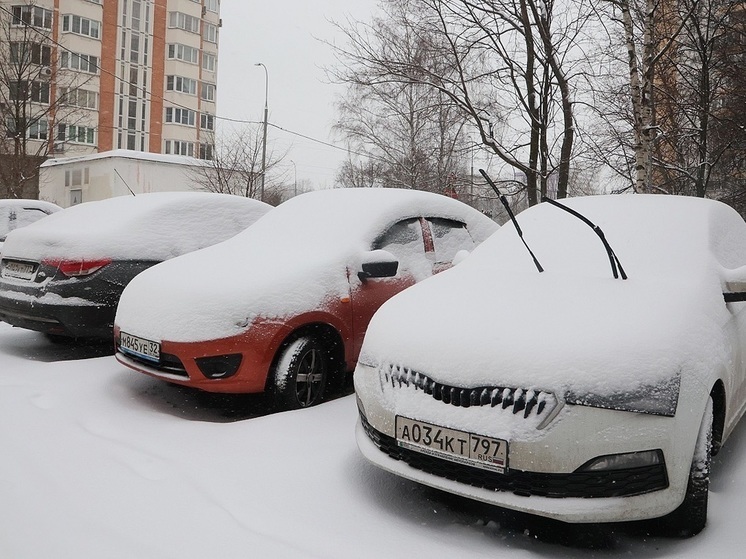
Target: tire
[300, 376]
[691, 515]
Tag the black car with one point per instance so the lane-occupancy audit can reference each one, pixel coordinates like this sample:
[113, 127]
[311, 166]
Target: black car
[63, 275]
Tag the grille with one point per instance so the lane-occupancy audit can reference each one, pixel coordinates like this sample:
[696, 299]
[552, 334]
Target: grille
[612, 483]
[517, 399]
[167, 364]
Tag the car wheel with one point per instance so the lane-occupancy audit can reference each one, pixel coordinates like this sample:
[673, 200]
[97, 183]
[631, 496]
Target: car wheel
[300, 374]
[691, 516]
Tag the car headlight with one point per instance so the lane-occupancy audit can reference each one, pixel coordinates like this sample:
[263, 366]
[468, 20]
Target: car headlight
[655, 399]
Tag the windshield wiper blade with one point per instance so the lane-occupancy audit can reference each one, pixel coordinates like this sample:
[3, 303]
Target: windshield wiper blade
[504, 202]
[613, 260]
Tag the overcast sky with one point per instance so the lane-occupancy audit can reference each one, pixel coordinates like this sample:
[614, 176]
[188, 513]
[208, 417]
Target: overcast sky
[284, 35]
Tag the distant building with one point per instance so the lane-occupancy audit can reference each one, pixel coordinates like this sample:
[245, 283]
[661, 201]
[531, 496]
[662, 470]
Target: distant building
[117, 74]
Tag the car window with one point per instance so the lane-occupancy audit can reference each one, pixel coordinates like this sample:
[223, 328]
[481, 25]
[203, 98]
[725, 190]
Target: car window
[404, 240]
[449, 237]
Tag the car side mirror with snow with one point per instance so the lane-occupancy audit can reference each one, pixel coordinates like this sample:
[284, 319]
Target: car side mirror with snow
[735, 285]
[378, 264]
[460, 256]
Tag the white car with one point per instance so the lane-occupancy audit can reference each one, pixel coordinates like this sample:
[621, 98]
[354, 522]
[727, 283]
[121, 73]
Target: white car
[16, 213]
[569, 393]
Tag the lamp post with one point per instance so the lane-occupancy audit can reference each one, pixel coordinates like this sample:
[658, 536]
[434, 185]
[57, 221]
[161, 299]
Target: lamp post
[295, 178]
[264, 141]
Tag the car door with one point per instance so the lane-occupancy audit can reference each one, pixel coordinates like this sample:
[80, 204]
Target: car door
[408, 242]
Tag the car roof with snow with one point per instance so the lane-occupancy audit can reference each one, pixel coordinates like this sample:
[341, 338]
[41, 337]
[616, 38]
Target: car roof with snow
[344, 217]
[154, 226]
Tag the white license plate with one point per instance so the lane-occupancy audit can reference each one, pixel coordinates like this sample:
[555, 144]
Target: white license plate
[140, 347]
[451, 444]
[18, 270]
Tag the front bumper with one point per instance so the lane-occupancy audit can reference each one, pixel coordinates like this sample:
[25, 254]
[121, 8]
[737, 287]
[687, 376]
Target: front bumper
[72, 317]
[179, 361]
[545, 456]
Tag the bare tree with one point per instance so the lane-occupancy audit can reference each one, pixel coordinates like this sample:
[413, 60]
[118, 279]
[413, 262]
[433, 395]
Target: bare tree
[506, 64]
[413, 135]
[236, 165]
[34, 96]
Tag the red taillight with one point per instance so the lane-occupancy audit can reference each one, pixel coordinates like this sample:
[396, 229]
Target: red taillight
[74, 268]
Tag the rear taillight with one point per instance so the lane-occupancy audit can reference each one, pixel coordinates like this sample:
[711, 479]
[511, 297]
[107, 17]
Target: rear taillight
[75, 268]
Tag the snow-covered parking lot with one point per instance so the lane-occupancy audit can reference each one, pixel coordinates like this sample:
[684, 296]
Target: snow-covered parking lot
[100, 462]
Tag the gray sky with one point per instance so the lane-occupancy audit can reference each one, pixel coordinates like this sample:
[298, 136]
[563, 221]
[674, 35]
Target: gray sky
[282, 35]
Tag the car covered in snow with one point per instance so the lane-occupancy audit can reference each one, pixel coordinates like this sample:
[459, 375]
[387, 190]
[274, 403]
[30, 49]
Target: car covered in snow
[16, 213]
[63, 275]
[594, 391]
[283, 306]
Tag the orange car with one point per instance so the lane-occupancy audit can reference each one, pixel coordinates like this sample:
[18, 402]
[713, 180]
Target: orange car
[284, 305]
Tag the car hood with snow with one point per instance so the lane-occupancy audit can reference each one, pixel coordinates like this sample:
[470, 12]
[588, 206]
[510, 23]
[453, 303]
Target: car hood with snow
[286, 263]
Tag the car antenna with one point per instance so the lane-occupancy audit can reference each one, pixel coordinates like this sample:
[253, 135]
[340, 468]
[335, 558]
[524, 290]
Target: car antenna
[124, 181]
[613, 260]
[505, 203]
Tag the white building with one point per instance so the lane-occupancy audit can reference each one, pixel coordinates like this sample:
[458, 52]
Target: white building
[70, 180]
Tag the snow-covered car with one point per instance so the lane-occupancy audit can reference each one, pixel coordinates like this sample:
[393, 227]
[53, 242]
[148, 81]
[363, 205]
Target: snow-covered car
[568, 393]
[284, 305]
[16, 213]
[63, 275]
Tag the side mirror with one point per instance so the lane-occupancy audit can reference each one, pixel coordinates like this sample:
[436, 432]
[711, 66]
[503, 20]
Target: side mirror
[378, 264]
[735, 285]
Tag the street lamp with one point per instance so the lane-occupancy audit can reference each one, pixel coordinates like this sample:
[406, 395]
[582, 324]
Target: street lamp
[295, 178]
[264, 142]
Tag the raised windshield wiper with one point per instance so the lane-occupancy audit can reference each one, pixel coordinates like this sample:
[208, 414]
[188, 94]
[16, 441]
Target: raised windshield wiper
[613, 260]
[512, 217]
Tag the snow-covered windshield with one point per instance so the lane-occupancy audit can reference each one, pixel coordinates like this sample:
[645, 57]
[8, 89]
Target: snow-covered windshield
[649, 234]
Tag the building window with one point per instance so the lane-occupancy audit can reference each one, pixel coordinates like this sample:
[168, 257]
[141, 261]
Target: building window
[212, 5]
[178, 147]
[182, 84]
[206, 121]
[82, 62]
[208, 61]
[37, 92]
[177, 115]
[207, 92]
[34, 53]
[179, 20]
[38, 130]
[205, 151]
[77, 177]
[186, 53]
[81, 26]
[32, 15]
[76, 134]
[77, 97]
[211, 33]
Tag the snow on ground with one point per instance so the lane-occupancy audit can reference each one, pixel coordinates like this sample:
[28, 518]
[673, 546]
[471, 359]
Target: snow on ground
[100, 462]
